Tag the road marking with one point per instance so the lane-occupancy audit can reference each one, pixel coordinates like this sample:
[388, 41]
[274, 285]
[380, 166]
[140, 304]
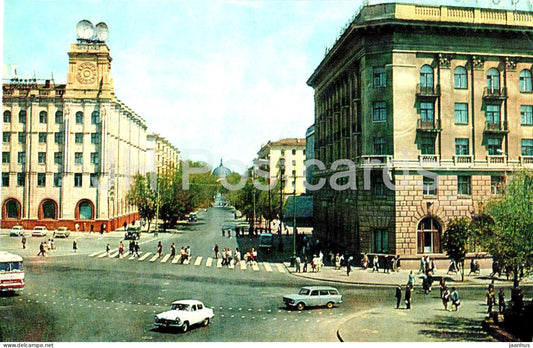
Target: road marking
[219, 263]
[209, 262]
[133, 256]
[198, 261]
[94, 254]
[267, 267]
[280, 268]
[114, 254]
[175, 259]
[165, 258]
[186, 261]
[255, 267]
[156, 256]
[243, 265]
[231, 264]
[105, 254]
[145, 256]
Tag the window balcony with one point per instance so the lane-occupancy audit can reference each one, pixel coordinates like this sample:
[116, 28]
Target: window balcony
[428, 91]
[432, 126]
[376, 160]
[526, 161]
[429, 160]
[497, 160]
[459, 160]
[495, 93]
[496, 128]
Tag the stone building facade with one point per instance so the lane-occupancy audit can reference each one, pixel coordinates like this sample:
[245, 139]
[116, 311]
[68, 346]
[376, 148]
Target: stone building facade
[69, 151]
[433, 105]
[162, 155]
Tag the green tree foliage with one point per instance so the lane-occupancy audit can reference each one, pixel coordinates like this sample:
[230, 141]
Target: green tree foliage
[511, 238]
[143, 197]
[456, 239]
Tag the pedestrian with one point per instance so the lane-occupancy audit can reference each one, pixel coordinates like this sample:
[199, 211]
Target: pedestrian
[454, 297]
[298, 263]
[23, 242]
[224, 258]
[422, 268]
[215, 250]
[442, 285]
[92, 228]
[348, 268]
[398, 263]
[491, 298]
[172, 251]
[120, 250]
[159, 248]
[411, 280]
[375, 264]
[237, 255]
[42, 250]
[188, 252]
[501, 301]
[305, 264]
[107, 249]
[398, 295]
[125, 224]
[223, 232]
[452, 267]
[254, 254]
[365, 261]
[75, 246]
[132, 246]
[137, 249]
[408, 296]
[445, 296]
[337, 262]
[386, 264]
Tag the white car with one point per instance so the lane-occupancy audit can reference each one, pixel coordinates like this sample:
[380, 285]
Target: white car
[183, 314]
[16, 231]
[39, 231]
[61, 232]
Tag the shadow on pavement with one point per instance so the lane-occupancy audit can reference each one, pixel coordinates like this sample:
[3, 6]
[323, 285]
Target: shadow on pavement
[446, 328]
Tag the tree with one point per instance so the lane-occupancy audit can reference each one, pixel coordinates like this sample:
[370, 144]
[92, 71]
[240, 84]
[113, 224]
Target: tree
[455, 241]
[143, 197]
[511, 238]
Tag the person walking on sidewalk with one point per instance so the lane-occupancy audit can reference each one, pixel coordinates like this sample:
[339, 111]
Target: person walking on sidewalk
[375, 264]
[348, 268]
[411, 280]
[455, 299]
[408, 296]
[298, 264]
[501, 301]
[23, 242]
[445, 296]
[398, 295]
[491, 299]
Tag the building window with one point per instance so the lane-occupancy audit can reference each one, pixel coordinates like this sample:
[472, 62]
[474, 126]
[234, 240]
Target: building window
[5, 179]
[43, 117]
[379, 111]
[525, 81]
[379, 77]
[460, 78]
[380, 145]
[427, 145]
[93, 180]
[21, 157]
[95, 117]
[494, 146]
[429, 186]
[41, 179]
[6, 157]
[463, 185]
[381, 241]
[493, 80]
[293, 151]
[6, 137]
[42, 137]
[493, 113]
[95, 158]
[527, 147]
[41, 157]
[7, 116]
[86, 211]
[13, 209]
[79, 117]
[426, 77]
[59, 116]
[58, 158]
[95, 138]
[77, 179]
[461, 147]
[59, 137]
[378, 186]
[22, 137]
[78, 138]
[21, 179]
[58, 179]
[526, 115]
[461, 113]
[427, 112]
[428, 236]
[22, 116]
[78, 157]
[497, 184]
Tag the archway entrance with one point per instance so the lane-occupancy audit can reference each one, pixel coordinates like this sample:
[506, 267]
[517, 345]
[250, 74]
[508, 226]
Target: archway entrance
[429, 236]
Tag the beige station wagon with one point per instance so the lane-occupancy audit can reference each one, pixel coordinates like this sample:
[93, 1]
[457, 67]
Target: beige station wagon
[313, 296]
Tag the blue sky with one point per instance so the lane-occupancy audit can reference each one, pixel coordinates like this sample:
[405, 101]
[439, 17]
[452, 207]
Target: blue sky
[218, 78]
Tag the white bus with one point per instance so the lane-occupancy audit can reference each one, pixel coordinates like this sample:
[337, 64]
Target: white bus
[11, 272]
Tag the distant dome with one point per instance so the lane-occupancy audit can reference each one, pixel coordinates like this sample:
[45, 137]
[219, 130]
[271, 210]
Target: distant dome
[221, 171]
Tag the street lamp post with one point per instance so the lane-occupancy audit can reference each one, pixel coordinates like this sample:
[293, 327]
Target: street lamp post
[281, 170]
[293, 260]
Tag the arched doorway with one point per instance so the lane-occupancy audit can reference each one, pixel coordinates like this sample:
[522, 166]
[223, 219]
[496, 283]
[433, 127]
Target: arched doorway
[11, 209]
[48, 209]
[84, 210]
[428, 236]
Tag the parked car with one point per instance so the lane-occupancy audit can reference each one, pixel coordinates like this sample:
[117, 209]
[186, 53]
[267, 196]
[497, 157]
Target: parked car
[192, 217]
[183, 314]
[133, 233]
[16, 231]
[61, 232]
[312, 296]
[266, 241]
[39, 231]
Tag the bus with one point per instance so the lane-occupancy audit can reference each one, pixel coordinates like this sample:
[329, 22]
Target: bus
[11, 272]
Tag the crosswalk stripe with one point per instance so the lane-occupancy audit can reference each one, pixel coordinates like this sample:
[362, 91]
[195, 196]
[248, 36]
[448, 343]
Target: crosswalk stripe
[145, 256]
[154, 258]
[243, 265]
[94, 254]
[175, 259]
[198, 261]
[219, 263]
[255, 266]
[186, 261]
[232, 264]
[209, 262]
[267, 266]
[165, 258]
[103, 255]
[126, 254]
[280, 268]
[132, 257]
[114, 254]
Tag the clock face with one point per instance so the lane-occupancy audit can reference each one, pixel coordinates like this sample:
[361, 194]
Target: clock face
[86, 73]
